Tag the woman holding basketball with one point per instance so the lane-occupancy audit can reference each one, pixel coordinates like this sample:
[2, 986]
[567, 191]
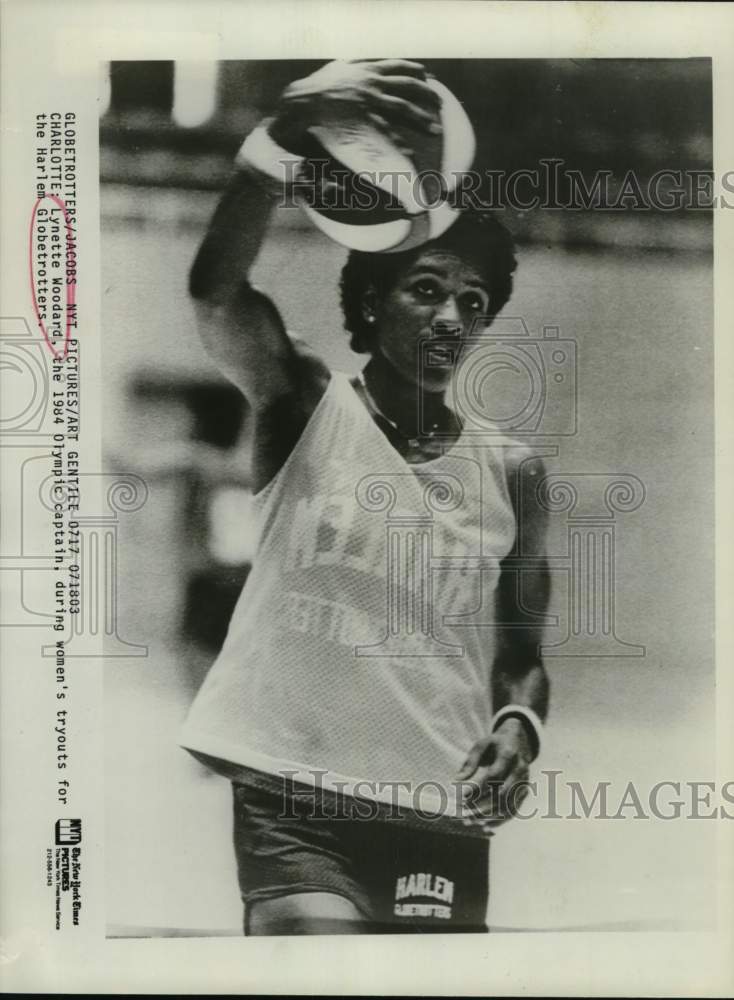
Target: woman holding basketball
[376, 659]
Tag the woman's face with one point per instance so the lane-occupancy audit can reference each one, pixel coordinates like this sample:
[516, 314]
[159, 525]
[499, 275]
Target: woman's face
[438, 296]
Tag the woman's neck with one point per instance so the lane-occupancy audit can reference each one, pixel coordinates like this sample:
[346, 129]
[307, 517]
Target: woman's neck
[409, 405]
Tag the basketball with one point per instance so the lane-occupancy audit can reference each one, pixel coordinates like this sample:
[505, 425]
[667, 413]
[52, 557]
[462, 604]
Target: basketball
[389, 201]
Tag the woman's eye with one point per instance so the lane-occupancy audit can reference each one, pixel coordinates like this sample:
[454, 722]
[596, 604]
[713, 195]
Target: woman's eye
[427, 289]
[475, 303]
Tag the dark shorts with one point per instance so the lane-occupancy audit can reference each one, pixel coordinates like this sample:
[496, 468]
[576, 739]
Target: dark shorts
[399, 878]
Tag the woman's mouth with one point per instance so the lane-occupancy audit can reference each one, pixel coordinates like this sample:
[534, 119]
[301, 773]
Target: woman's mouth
[442, 349]
[441, 355]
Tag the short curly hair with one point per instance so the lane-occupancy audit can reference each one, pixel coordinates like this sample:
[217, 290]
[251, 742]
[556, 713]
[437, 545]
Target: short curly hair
[476, 234]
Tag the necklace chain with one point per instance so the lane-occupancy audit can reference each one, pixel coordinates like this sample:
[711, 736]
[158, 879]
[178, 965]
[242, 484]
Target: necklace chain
[414, 442]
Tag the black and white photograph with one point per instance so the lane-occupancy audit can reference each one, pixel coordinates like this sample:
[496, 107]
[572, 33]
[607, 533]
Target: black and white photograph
[365, 443]
[413, 364]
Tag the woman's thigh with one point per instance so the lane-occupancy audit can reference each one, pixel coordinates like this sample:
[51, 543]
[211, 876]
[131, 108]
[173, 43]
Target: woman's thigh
[304, 913]
[305, 876]
[296, 875]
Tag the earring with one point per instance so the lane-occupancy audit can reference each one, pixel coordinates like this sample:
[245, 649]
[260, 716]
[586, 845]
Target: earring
[370, 319]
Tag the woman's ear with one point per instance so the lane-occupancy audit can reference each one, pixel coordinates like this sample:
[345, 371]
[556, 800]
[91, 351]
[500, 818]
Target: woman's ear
[369, 305]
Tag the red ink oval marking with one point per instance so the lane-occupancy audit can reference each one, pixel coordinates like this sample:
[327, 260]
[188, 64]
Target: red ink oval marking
[70, 286]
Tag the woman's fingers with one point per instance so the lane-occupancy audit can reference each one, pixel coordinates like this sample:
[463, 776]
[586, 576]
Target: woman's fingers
[400, 111]
[498, 799]
[410, 88]
[519, 775]
[515, 796]
[500, 768]
[395, 137]
[394, 89]
[391, 66]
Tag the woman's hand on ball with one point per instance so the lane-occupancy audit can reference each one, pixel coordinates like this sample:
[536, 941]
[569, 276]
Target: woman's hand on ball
[391, 93]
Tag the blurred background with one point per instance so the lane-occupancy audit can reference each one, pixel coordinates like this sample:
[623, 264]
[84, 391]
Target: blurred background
[633, 289]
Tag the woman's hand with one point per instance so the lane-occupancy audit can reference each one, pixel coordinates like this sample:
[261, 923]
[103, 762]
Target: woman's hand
[390, 93]
[495, 775]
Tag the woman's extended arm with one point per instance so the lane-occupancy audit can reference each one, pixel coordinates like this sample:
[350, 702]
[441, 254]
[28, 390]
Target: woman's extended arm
[241, 327]
[498, 764]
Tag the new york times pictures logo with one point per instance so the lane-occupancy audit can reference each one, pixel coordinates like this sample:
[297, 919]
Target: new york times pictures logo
[68, 831]
[63, 869]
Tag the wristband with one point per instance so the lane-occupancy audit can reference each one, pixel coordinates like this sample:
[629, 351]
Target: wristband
[262, 153]
[531, 720]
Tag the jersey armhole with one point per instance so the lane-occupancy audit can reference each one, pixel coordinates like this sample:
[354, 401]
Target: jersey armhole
[262, 495]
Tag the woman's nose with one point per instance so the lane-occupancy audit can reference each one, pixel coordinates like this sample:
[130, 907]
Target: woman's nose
[447, 313]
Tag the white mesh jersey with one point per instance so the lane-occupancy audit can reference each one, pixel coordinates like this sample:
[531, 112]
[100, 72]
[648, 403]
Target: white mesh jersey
[362, 642]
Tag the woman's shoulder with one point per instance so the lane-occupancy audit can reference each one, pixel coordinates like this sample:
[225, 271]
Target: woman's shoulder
[516, 455]
[516, 462]
[314, 374]
[525, 472]
[521, 458]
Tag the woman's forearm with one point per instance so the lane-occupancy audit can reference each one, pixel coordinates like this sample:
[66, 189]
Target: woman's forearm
[521, 684]
[233, 239]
